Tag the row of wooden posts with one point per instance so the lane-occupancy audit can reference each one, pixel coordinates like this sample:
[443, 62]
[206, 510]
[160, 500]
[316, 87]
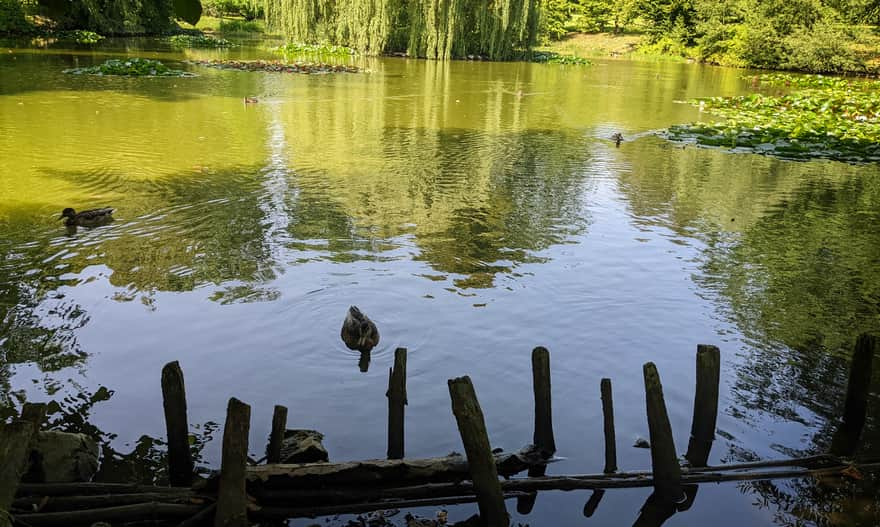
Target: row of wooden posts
[333, 488]
[232, 499]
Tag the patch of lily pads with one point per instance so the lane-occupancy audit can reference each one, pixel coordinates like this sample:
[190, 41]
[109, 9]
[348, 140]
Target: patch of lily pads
[315, 49]
[199, 41]
[276, 66]
[822, 117]
[134, 67]
[551, 57]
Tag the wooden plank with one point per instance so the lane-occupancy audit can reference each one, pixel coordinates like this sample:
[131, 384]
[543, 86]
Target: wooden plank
[472, 427]
[232, 495]
[180, 463]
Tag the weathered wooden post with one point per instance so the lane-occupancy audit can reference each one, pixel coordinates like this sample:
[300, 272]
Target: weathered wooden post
[396, 402]
[846, 438]
[664, 462]
[705, 405]
[608, 418]
[15, 443]
[34, 413]
[481, 463]
[231, 496]
[543, 437]
[180, 464]
[279, 425]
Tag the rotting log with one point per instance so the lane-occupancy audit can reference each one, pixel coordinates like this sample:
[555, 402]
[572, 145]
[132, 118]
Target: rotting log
[89, 488]
[180, 463]
[386, 472]
[705, 405]
[15, 441]
[396, 402]
[846, 438]
[664, 461]
[232, 496]
[276, 437]
[484, 474]
[543, 435]
[98, 501]
[125, 513]
[608, 426]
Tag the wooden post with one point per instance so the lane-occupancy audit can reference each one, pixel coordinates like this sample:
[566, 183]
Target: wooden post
[396, 402]
[279, 425]
[180, 464]
[705, 405]
[481, 464]
[593, 503]
[664, 462]
[231, 496]
[15, 443]
[34, 413]
[543, 437]
[855, 408]
[608, 415]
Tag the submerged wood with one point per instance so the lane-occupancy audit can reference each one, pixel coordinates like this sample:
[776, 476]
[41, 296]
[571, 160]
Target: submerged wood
[396, 404]
[180, 463]
[15, 440]
[483, 472]
[231, 496]
[97, 501]
[386, 471]
[126, 513]
[705, 405]
[846, 438]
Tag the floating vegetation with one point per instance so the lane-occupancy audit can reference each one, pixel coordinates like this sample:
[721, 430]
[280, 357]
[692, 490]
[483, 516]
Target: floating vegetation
[826, 117]
[79, 36]
[317, 49]
[199, 41]
[275, 66]
[135, 67]
[551, 57]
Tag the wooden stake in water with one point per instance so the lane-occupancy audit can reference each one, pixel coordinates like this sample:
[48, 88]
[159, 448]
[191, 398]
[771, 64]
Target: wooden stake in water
[608, 418]
[705, 405]
[232, 496]
[180, 464]
[396, 402]
[664, 462]
[855, 408]
[543, 436]
[481, 463]
[279, 425]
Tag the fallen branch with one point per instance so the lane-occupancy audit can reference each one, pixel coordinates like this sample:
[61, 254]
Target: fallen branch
[126, 513]
[97, 501]
[88, 489]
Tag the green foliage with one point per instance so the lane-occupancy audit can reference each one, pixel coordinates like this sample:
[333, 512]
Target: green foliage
[275, 66]
[550, 57]
[315, 49]
[438, 29]
[134, 67]
[248, 9]
[79, 36]
[198, 41]
[12, 19]
[235, 26]
[830, 119]
[111, 16]
[189, 11]
[554, 16]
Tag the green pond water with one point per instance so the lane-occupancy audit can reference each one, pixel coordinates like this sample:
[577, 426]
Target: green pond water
[474, 211]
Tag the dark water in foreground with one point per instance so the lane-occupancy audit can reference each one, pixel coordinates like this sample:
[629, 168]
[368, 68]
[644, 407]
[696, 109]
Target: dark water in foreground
[471, 223]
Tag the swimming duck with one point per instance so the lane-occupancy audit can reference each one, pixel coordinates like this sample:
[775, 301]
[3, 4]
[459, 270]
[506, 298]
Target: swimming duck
[87, 218]
[358, 331]
[617, 138]
[251, 100]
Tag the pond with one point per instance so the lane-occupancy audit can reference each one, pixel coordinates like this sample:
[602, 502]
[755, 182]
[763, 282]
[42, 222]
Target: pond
[474, 211]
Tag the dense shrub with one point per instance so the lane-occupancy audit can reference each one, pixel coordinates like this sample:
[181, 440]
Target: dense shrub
[12, 19]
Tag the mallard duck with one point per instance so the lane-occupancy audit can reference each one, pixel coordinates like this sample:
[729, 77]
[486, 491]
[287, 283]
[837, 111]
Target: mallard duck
[617, 138]
[251, 100]
[358, 331]
[87, 218]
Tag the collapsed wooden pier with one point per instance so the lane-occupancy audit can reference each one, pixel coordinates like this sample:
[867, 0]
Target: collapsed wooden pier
[244, 493]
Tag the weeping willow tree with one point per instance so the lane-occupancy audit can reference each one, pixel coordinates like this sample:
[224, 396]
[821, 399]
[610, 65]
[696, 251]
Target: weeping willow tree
[437, 29]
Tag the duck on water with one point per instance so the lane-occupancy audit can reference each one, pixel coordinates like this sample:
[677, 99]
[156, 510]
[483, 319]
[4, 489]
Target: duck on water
[87, 218]
[358, 331]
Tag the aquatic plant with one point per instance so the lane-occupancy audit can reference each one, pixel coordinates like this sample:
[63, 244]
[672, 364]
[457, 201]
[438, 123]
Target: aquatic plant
[134, 67]
[317, 49]
[836, 119]
[275, 66]
[551, 57]
[78, 35]
[199, 41]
